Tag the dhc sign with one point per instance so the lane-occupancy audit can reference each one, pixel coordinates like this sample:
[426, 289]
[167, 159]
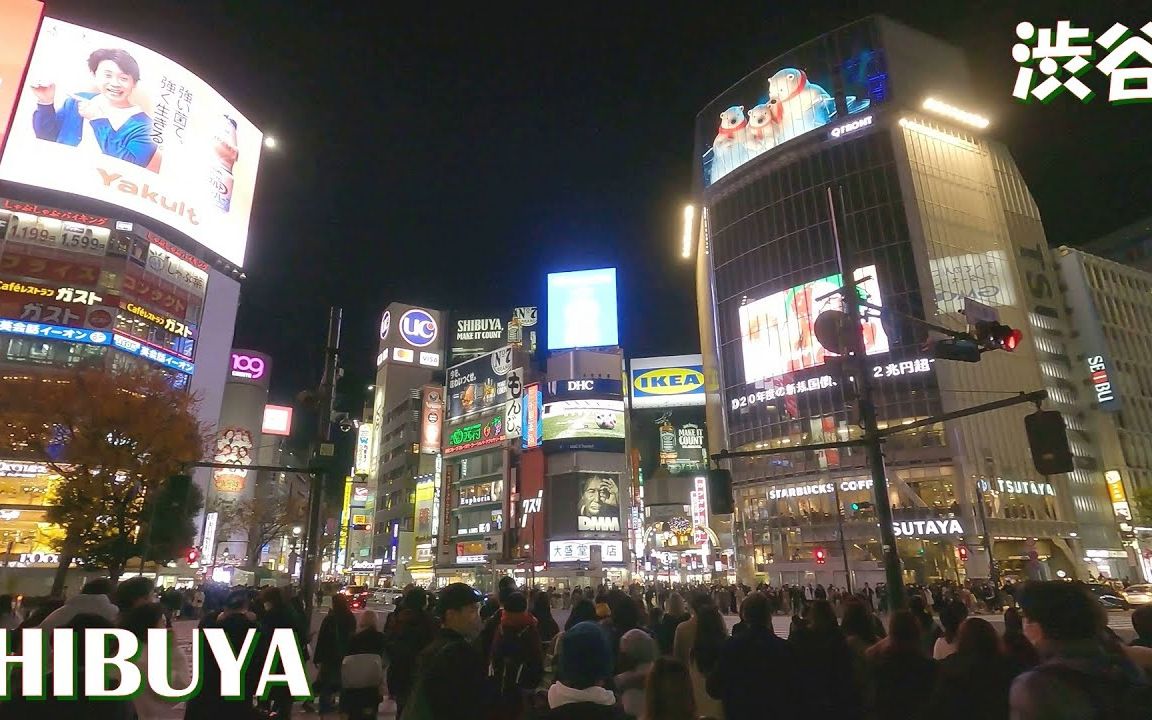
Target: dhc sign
[656, 387]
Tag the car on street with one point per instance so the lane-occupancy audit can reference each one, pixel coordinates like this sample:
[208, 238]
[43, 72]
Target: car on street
[1138, 595]
[1109, 597]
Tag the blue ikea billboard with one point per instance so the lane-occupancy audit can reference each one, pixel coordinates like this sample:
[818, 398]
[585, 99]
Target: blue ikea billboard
[582, 309]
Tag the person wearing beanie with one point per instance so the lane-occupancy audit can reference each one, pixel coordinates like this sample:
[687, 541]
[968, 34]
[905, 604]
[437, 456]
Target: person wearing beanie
[637, 653]
[585, 666]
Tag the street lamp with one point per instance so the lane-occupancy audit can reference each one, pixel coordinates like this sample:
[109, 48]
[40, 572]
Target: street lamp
[270, 142]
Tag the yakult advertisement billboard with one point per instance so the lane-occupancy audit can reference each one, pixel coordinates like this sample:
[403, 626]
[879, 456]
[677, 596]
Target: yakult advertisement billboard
[107, 119]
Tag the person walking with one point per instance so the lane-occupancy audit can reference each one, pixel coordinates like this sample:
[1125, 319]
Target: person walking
[685, 635]
[973, 681]
[236, 620]
[1081, 675]
[545, 623]
[451, 676]
[900, 676]
[674, 614]
[952, 614]
[708, 640]
[139, 620]
[410, 629]
[821, 644]
[753, 666]
[276, 615]
[929, 629]
[331, 646]
[637, 652]
[95, 598]
[668, 692]
[516, 656]
[362, 671]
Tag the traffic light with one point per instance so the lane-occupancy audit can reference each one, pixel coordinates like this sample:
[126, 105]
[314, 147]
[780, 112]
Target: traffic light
[959, 350]
[720, 492]
[820, 555]
[963, 552]
[997, 336]
[192, 555]
[855, 507]
[1048, 440]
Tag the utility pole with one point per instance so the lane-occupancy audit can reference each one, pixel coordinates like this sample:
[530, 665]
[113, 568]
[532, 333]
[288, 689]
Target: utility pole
[873, 441]
[310, 567]
[840, 533]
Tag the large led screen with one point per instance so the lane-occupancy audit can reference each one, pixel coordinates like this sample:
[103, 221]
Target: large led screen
[107, 119]
[584, 424]
[18, 22]
[582, 309]
[776, 335]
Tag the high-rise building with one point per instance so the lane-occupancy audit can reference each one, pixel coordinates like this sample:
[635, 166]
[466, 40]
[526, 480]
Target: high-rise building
[861, 152]
[114, 253]
[1110, 304]
[1130, 245]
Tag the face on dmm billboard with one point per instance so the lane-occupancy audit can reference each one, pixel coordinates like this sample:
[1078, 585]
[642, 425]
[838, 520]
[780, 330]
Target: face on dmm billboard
[107, 119]
[18, 22]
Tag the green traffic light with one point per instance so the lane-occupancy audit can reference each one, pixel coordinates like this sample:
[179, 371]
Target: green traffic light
[855, 506]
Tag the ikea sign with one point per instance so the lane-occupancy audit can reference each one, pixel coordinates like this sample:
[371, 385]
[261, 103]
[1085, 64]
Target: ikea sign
[667, 384]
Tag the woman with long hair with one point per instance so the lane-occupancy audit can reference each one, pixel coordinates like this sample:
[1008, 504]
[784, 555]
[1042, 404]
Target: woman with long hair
[674, 613]
[542, 611]
[900, 676]
[1017, 647]
[711, 632]
[975, 680]
[669, 695]
[820, 643]
[951, 615]
[331, 647]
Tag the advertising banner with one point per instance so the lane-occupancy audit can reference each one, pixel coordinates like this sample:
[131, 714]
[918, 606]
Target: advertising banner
[513, 408]
[777, 334]
[584, 503]
[533, 412]
[478, 334]
[233, 446]
[277, 420]
[431, 419]
[582, 309]
[611, 551]
[19, 20]
[425, 502]
[363, 461]
[107, 119]
[700, 511]
[830, 82]
[584, 425]
[473, 436]
[479, 386]
[674, 381]
[411, 335]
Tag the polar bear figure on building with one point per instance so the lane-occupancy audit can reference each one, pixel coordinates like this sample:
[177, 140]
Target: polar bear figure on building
[762, 129]
[729, 150]
[797, 104]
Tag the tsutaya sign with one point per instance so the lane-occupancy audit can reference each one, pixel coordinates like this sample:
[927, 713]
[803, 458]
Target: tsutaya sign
[927, 528]
[1025, 487]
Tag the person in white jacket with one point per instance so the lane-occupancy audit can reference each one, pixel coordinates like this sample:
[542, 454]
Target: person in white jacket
[93, 599]
[149, 705]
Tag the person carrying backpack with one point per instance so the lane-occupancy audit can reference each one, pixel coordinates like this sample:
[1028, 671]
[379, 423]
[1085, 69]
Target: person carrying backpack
[517, 656]
[1082, 674]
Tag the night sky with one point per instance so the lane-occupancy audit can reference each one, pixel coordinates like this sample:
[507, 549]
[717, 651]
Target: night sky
[452, 158]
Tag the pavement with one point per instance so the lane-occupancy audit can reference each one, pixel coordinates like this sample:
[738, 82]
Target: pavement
[1119, 621]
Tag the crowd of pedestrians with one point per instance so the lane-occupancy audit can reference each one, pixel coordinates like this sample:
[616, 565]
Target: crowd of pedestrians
[640, 653]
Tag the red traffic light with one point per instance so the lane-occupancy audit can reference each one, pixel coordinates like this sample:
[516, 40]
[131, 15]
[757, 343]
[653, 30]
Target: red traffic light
[963, 552]
[1012, 339]
[820, 555]
[192, 555]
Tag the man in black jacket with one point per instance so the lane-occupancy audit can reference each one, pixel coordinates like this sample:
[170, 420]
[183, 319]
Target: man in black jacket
[452, 673]
[755, 665]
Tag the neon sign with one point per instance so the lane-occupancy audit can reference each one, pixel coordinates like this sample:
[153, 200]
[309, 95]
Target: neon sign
[475, 435]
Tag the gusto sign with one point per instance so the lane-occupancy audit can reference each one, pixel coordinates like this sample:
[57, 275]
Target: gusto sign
[247, 366]
[418, 328]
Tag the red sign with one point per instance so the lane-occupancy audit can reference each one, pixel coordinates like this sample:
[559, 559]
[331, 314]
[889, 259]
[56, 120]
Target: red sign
[150, 292]
[49, 212]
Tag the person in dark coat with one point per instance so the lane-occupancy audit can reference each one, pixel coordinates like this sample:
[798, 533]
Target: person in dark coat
[755, 665]
[235, 620]
[331, 647]
[410, 629]
[674, 614]
[820, 643]
[276, 615]
[900, 674]
[542, 611]
[586, 661]
[452, 673]
[516, 656]
[974, 681]
[1018, 648]
[362, 702]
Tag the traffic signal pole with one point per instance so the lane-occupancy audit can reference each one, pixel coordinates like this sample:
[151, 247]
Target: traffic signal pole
[873, 441]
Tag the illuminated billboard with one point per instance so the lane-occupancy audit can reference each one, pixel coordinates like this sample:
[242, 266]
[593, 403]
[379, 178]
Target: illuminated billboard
[584, 425]
[673, 381]
[828, 82]
[18, 22]
[776, 334]
[584, 503]
[411, 335]
[582, 310]
[110, 120]
[473, 436]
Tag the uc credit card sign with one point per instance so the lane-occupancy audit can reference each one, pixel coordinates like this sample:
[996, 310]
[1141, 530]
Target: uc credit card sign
[675, 381]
